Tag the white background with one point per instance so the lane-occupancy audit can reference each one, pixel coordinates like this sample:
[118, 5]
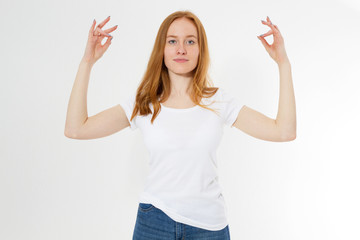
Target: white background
[53, 187]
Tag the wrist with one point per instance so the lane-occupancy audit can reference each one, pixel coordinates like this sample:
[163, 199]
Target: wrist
[86, 62]
[285, 62]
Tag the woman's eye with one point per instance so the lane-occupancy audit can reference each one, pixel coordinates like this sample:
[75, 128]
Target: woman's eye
[171, 41]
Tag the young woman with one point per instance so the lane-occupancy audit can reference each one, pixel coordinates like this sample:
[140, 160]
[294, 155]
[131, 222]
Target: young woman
[182, 117]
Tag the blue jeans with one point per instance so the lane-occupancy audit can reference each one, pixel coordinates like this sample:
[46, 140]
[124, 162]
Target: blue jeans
[153, 224]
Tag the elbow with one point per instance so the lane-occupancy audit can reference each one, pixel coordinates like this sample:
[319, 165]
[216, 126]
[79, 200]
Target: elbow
[69, 134]
[288, 134]
[289, 137]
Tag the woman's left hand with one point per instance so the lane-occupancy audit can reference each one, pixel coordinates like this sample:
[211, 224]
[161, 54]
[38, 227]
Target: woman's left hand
[277, 49]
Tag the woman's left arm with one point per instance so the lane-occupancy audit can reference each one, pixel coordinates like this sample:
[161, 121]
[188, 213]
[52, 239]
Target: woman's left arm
[258, 125]
[286, 116]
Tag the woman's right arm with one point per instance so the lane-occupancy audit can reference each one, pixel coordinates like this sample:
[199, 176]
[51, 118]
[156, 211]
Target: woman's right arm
[77, 107]
[78, 125]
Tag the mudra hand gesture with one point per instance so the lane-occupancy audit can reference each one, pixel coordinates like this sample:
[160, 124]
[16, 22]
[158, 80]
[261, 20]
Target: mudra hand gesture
[277, 49]
[94, 50]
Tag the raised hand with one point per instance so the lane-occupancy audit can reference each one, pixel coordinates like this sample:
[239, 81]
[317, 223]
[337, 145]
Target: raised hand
[94, 50]
[277, 49]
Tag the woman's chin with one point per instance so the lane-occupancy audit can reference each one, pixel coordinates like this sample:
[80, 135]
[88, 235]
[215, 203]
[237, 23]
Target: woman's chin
[182, 72]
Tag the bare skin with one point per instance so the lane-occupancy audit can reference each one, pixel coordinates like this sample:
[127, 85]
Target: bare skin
[94, 50]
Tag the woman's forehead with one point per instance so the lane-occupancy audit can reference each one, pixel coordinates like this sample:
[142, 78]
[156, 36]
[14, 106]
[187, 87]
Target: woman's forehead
[182, 27]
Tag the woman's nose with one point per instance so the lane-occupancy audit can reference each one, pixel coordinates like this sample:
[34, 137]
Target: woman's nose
[181, 49]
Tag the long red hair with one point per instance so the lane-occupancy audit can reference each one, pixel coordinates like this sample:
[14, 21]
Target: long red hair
[155, 85]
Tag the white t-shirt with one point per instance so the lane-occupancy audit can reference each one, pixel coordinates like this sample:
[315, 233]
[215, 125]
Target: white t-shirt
[183, 177]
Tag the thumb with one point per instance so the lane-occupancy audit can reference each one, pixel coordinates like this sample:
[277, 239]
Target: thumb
[107, 43]
[263, 41]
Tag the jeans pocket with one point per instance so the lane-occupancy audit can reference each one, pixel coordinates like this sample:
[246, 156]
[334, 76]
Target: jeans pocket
[145, 207]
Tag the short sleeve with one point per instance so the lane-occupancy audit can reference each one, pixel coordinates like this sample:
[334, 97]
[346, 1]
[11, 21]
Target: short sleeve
[128, 105]
[231, 107]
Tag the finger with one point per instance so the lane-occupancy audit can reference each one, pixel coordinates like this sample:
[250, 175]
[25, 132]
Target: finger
[92, 27]
[267, 34]
[263, 41]
[108, 40]
[104, 22]
[107, 43]
[270, 25]
[102, 32]
[110, 29]
[268, 19]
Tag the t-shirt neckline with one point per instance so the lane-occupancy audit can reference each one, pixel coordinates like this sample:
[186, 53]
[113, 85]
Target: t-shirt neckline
[179, 109]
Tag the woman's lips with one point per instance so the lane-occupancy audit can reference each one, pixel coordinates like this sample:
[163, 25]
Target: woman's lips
[180, 60]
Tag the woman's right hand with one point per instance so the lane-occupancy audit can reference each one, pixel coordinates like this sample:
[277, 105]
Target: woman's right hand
[94, 50]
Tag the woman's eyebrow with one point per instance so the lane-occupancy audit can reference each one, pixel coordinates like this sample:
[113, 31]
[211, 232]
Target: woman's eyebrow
[176, 36]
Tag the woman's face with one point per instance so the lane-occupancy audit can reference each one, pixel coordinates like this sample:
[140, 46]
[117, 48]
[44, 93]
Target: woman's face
[181, 43]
